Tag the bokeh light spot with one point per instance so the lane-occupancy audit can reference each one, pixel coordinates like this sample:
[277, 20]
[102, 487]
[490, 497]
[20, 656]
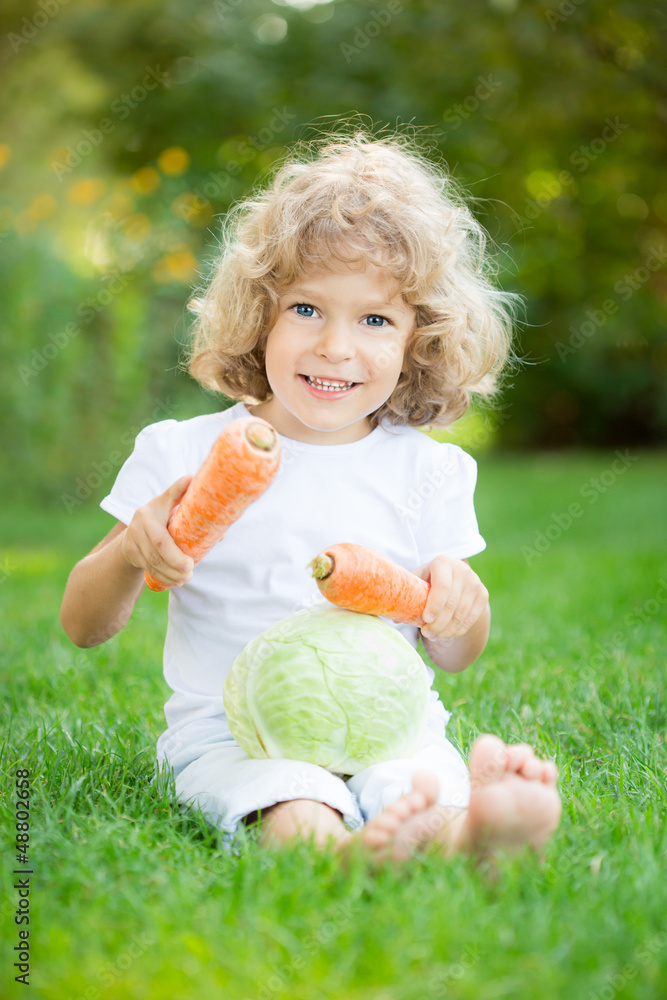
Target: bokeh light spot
[42, 206]
[86, 191]
[543, 184]
[631, 206]
[269, 29]
[174, 161]
[303, 4]
[146, 180]
[137, 227]
[660, 205]
[179, 265]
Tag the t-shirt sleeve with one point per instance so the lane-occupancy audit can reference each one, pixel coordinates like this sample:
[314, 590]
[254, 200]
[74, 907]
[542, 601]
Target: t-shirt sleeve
[153, 466]
[448, 523]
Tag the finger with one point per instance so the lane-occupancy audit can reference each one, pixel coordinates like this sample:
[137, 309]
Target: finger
[468, 617]
[423, 572]
[161, 508]
[437, 629]
[464, 619]
[167, 562]
[450, 601]
[452, 628]
[439, 584]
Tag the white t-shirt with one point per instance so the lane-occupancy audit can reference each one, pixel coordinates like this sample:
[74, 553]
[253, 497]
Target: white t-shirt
[396, 491]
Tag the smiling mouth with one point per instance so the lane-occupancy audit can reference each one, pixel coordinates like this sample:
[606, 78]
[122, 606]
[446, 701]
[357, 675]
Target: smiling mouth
[329, 385]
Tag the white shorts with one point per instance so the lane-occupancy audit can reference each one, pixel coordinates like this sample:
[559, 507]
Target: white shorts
[212, 774]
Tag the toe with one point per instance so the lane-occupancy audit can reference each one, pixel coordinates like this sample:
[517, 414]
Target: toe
[531, 768]
[426, 783]
[377, 837]
[549, 772]
[488, 759]
[401, 808]
[518, 754]
[388, 820]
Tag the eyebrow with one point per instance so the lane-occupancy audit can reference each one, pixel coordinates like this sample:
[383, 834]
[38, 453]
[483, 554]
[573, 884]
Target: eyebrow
[301, 290]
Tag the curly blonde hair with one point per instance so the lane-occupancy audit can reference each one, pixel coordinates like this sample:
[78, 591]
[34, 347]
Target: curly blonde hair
[356, 198]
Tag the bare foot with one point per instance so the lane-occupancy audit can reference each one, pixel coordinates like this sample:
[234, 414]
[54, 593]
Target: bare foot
[400, 828]
[514, 802]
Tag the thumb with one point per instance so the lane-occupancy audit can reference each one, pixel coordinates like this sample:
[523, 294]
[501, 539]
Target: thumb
[175, 493]
[178, 488]
[423, 572]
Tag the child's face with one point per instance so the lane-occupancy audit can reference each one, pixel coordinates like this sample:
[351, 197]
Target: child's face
[348, 326]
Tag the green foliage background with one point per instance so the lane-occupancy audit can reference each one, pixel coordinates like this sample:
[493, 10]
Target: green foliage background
[128, 128]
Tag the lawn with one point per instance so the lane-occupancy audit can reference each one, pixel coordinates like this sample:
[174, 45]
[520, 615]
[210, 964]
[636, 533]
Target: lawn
[132, 899]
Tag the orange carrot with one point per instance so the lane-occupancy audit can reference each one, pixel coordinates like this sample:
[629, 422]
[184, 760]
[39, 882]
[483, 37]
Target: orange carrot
[241, 464]
[360, 579]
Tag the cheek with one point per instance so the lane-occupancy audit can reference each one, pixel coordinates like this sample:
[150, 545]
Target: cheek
[388, 360]
[276, 354]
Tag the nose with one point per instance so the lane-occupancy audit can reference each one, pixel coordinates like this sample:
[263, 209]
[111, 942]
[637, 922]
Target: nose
[335, 342]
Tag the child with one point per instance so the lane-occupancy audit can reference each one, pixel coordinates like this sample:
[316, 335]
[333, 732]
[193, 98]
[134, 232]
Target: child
[350, 306]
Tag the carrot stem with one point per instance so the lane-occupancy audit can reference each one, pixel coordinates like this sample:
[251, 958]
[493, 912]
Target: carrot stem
[261, 436]
[322, 566]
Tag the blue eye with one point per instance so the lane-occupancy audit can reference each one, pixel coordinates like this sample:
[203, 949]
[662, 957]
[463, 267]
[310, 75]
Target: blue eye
[305, 305]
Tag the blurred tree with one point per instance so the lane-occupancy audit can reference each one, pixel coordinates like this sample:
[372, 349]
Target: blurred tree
[129, 128]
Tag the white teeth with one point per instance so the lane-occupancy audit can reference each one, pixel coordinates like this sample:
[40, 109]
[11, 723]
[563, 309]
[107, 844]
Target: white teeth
[328, 385]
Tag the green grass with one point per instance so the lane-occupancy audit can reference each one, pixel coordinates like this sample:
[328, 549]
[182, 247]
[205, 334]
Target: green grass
[133, 899]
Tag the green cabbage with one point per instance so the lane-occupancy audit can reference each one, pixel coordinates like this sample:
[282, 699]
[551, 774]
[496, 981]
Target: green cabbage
[331, 687]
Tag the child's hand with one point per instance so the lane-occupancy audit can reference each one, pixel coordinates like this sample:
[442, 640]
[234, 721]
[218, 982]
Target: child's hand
[148, 545]
[456, 600]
